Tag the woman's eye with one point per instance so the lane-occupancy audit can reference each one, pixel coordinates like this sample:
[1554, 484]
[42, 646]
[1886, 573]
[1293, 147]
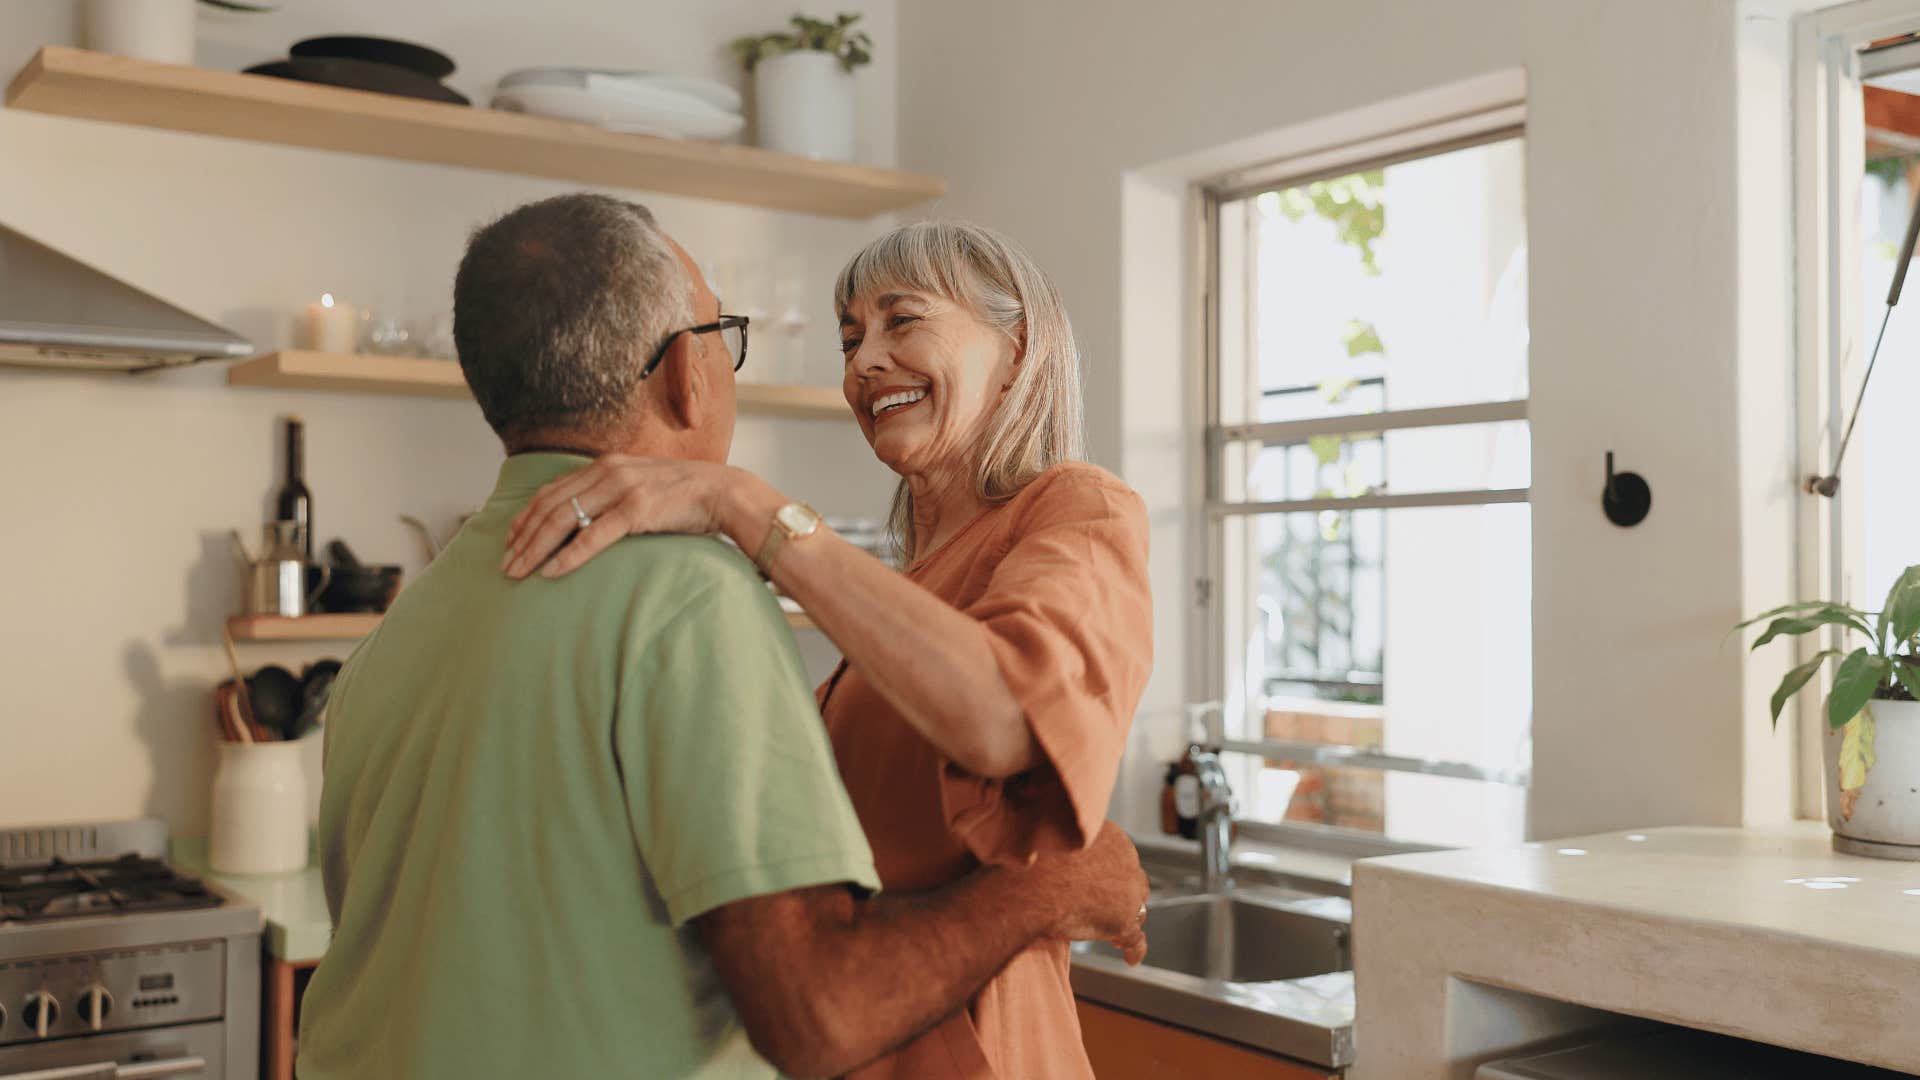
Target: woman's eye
[897, 321]
[847, 345]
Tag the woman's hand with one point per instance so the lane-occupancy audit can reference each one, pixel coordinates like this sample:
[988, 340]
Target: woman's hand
[625, 496]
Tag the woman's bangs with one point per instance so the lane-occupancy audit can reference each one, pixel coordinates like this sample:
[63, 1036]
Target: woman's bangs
[901, 261]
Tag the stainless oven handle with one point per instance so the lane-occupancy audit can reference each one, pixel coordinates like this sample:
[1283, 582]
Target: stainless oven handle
[107, 1070]
[155, 1070]
[99, 1070]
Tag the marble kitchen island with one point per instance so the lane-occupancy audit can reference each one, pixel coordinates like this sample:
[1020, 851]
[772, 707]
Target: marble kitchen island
[1764, 933]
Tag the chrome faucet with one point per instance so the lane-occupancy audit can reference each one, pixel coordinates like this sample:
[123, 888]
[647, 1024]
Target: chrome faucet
[1216, 818]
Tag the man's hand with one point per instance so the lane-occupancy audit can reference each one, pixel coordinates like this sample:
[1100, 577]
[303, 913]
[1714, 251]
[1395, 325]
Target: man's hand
[1101, 893]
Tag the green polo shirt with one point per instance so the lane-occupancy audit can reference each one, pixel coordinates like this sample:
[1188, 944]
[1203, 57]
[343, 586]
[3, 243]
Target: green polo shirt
[531, 787]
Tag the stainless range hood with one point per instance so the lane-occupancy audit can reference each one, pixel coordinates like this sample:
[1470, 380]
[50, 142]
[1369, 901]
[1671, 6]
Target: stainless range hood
[56, 312]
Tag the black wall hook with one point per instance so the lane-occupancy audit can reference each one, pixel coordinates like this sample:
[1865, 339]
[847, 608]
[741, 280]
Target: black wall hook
[1626, 498]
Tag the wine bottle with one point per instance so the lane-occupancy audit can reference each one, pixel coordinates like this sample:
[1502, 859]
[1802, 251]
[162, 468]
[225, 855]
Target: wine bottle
[294, 502]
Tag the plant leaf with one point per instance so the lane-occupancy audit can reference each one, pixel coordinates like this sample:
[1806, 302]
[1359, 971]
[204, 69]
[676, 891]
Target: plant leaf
[1902, 613]
[1326, 448]
[1796, 679]
[1791, 625]
[1860, 674]
[1857, 758]
[1909, 677]
[1361, 339]
[1784, 609]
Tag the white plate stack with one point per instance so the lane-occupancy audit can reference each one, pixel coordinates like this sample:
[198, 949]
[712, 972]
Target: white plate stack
[635, 102]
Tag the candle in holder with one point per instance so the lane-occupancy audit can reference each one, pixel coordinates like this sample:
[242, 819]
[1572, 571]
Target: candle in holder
[332, 325]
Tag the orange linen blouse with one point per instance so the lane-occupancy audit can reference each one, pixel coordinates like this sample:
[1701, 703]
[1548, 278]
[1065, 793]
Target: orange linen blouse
[1058, 574]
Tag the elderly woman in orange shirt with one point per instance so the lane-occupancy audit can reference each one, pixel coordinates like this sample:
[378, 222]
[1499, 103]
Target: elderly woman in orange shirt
[983, 705]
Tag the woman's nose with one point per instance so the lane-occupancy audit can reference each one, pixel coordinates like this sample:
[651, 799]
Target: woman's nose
[872, 359]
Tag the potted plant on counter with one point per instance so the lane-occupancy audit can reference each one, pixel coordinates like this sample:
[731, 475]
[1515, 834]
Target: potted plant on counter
[1872, 737]
[803, 85]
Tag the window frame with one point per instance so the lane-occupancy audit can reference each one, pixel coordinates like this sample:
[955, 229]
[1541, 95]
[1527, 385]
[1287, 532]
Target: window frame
[1367, 150]
[1830, 157]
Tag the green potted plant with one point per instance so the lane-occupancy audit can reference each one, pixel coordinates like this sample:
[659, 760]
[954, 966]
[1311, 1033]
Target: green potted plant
[1872, 736]
[803, 84]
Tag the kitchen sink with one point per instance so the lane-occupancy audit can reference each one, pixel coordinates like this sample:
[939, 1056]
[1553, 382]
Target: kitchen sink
[1241, 940]
[1267, 963]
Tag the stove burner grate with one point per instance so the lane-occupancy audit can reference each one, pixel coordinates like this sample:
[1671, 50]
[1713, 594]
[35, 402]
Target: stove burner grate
[64, 890]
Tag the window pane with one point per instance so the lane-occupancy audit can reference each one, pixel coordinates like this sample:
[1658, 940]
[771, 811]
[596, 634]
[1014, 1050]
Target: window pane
[1418, 809]
[1462, 457]
[1397, 288]
[1416, 622]
[1889, 519]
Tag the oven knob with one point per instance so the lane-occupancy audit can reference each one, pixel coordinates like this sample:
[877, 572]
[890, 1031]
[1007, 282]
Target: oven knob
[40, 1012]
[95, 1003]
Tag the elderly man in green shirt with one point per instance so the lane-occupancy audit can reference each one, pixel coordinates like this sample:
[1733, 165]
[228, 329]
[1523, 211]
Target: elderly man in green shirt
[591, 826]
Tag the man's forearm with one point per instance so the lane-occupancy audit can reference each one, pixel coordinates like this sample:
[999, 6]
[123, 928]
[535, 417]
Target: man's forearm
[894, 967]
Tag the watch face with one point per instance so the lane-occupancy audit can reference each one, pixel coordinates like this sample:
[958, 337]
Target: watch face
[797, 519]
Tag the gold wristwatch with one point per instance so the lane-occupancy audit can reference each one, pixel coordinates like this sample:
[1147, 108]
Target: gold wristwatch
[794, 521]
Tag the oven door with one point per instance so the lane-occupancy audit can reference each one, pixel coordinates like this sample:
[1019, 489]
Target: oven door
[192, 1052]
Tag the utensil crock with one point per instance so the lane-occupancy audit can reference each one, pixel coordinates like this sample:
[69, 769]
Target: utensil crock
[259, 809]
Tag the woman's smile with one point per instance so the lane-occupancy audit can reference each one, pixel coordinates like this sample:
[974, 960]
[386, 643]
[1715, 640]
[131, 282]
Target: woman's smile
[888, 405]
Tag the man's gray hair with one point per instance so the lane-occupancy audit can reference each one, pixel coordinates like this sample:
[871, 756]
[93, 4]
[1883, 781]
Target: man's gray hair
[557, 307]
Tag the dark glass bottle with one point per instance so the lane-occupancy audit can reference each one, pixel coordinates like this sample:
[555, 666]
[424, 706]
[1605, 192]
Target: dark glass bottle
[294, 502]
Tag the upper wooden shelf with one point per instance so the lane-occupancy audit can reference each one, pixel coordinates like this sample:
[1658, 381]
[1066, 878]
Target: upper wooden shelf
[96, 86]
[304, 628]
[296, 369]
[354, 627]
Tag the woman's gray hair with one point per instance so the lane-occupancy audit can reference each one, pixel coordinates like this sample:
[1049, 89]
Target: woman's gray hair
[556, 308]
[1038, 422]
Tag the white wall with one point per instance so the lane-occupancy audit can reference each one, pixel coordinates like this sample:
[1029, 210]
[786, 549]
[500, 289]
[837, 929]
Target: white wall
[116, 492]
[1057, 123]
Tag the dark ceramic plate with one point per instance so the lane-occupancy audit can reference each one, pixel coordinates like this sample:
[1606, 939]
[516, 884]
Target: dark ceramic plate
[360, 75]
[429, 62]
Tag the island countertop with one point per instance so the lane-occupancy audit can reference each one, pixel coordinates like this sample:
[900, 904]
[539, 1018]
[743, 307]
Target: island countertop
[1761, 933]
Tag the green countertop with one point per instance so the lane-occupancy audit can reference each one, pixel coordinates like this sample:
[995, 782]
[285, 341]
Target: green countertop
[295, 904]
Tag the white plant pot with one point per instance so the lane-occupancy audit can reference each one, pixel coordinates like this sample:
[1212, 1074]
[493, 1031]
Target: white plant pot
[259, 809]
[803, 104]
[159, 30]
[1882, 817]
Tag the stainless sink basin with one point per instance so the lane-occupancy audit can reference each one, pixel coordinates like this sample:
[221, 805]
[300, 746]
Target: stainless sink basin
[1237, 939]
[1267, 964]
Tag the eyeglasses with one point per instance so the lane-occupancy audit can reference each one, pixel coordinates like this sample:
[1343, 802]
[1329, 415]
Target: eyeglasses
[733, 334]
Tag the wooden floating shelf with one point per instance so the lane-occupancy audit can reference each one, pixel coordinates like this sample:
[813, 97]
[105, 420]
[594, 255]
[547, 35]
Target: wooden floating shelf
[95, 86]
[353, 627]
[297, 369]
[811, 402]
[304, 628]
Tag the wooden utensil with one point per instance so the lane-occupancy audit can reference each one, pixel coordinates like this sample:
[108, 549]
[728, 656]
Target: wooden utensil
[243, 694]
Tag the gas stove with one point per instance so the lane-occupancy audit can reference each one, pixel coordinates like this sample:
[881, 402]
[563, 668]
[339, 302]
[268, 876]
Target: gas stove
[115, 965]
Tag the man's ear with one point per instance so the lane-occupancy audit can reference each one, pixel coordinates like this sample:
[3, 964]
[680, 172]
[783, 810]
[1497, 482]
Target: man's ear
[683, 381]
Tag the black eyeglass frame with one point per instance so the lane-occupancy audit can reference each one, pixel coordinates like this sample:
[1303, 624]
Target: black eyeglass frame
[725, 322]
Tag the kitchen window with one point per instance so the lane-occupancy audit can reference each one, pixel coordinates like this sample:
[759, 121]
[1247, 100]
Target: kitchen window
[1858, 162]
[1368, 592]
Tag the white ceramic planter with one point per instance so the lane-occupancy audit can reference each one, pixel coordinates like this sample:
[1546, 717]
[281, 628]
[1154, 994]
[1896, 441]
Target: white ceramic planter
[259, 809]
[159, 30]
[803, 104]
[1882, 817]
